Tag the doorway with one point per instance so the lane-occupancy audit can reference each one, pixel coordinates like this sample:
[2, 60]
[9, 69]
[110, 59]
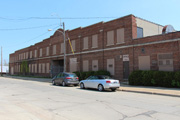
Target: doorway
[125, 70]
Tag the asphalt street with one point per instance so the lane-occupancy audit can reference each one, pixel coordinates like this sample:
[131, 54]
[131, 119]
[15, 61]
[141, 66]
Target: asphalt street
[32, 100]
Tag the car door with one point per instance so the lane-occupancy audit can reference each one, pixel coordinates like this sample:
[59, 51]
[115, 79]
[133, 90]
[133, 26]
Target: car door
[94, 82]
[87, 82]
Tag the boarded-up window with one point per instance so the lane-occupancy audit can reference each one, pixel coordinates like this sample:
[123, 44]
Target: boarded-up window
[95, 41]
[73, 64]
[85, 43]
[95, 65]
[40, 52]
[43, 67]
[165, 62]
[110, 66]
[110, 38]
[62, 47]
[27, 55]
[30, 54]
[35, 53]
[120, 35]
[32, 70]
[73, 45]
[144, 62]
[47, 51]
[35, 68]
[39, 68]
[29, 68]
[85, 65]
[54, 49]
[47, 67]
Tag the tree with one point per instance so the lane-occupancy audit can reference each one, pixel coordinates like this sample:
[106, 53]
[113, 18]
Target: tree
[24, 67]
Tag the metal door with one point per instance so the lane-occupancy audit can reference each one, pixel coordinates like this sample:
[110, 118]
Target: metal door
[125, 70]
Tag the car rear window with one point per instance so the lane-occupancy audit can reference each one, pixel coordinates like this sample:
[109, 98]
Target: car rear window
[72, 75]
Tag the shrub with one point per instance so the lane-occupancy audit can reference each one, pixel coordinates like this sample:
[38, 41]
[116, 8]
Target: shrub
[135, 78]
[155, 78]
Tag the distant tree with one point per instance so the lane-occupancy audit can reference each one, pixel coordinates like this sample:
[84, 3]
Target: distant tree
[24, 67]
[5, 63]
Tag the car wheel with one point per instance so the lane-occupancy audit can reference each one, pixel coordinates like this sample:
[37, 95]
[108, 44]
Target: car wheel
[82, 85]
[63, 83]
[100, 87]
[53, 82]
[113, 89]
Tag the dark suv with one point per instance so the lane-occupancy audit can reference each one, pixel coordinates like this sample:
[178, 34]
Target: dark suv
[65, 78]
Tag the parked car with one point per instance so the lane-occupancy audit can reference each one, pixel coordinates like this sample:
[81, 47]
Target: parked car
[65, 78]
[100, 82]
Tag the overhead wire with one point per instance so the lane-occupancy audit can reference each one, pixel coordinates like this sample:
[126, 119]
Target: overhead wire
[26, 28]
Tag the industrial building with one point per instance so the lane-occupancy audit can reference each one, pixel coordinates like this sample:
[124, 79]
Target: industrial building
[120, 46]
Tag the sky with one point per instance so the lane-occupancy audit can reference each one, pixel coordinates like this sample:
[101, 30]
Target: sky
[26, 22]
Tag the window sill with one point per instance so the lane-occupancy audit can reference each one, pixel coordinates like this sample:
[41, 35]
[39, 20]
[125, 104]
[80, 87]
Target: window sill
[120, 43]
[110, 45]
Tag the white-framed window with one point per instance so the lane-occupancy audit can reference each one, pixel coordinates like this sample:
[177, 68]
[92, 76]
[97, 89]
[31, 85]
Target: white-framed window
[165, 62]
[85, 65]
[62, 47]
[95, 41]
[73, 43]
[110, 38]
[30, 54]
[120, 35]
[47, 67]
[35, 53]
[47, 51]
[54, 49]
[85, 43]
[40, 52]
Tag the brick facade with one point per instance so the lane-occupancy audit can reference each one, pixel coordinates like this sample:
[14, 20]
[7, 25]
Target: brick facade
[105, 56]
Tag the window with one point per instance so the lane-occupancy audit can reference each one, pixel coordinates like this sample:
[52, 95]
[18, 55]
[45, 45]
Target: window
[39, 68]
[85, 41]
[139, 32]
[47, 67]
[73, 45]
[120, 35]
[95, 65]
[30, 54]
[95, 41]
[35, 53]
[47, 51]
[144, 62]
[54, 49]
[110, 66]
[110, 38]
[85, 65]
[27, 55]
[165, 62]
[40, 52]
[62, 47]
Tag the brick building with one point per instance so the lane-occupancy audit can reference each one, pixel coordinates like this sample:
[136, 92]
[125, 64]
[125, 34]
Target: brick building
[119, 46]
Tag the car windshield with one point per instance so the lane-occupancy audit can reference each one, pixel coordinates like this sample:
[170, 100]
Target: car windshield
[104, 77]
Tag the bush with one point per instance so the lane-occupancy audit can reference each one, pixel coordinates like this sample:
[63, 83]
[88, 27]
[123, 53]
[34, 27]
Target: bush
[135, 78]
[155, 78]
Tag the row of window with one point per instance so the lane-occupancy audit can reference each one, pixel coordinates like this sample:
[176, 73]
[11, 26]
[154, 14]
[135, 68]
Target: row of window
[35, 68]
[110, 41]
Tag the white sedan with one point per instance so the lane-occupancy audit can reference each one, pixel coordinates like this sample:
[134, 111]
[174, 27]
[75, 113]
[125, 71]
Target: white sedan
[100, 82]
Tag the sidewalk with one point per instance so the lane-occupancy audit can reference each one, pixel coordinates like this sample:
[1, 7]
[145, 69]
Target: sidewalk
[175, 92]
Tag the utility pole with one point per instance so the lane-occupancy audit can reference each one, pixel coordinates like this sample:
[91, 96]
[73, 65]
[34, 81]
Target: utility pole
[64, 48]
[1, 62]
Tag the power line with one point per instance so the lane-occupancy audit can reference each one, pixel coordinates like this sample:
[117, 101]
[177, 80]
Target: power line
[5, 29]
[39, 18]
[33, 38]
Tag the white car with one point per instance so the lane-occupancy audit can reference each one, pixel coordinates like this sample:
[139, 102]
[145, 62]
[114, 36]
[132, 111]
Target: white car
[100, 82]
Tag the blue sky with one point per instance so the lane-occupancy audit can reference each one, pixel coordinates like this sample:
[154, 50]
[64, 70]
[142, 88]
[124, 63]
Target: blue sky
[19, 29]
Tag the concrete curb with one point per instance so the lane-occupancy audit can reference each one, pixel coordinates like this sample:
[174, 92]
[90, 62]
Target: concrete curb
[149, 92]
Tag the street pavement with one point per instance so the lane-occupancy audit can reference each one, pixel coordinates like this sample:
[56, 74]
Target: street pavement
[29, 99]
